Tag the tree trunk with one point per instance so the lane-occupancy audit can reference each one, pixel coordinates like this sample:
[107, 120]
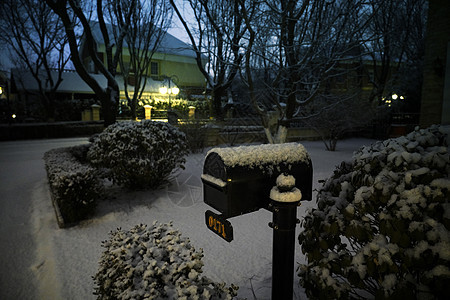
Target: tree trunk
[110, 102]
[279, 137]
[217, 103]
[133, 105]
[49, 102]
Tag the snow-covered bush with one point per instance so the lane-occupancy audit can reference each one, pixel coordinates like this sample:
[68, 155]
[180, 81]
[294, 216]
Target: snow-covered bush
[139, 154]
[74, 184]
[382, 224]
[154, 263]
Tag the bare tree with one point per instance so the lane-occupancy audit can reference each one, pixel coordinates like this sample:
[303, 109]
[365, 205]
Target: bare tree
[35, 37]
[333, 116]
[148, 25]
[398, 29]
[218, 37]
[299, 44]
[66, 10]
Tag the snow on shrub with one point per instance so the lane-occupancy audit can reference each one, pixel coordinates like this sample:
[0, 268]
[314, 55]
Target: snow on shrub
[382, 224]
[74, 184]
[154, 263]
[139, 154]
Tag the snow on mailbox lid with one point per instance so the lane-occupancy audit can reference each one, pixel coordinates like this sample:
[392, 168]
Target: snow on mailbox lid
[262, 155]
[266, 157]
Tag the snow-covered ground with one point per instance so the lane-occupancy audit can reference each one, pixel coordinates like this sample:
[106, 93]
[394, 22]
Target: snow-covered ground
[41, 261]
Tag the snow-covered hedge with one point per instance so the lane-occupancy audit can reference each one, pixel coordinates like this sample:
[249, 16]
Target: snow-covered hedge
[74, 184]
[139, 154]
[382, 226]
[154, 263]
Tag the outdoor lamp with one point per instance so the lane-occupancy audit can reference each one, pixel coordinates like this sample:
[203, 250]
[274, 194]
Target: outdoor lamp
[163, 90]
[175, 90]
[394, 96]
[1, 90]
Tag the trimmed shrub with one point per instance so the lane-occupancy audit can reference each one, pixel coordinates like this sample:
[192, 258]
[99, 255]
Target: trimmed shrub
[74, 184]
[154, 263]
[196, 133]
[381, 229]
[139, 154]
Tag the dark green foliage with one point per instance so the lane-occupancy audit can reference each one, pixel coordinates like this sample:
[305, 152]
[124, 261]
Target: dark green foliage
[381, 229]
[196, 133]
[74, 184]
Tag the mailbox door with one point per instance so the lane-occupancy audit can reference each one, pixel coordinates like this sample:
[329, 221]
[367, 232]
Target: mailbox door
[215, 196]
[246, 191]
[245, 197]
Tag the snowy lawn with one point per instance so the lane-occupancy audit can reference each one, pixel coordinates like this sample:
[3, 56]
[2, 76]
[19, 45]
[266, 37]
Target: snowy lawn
[69, 257]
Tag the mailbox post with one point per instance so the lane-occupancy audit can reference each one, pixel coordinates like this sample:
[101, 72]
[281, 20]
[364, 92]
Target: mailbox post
[241, 180]
[285, 199]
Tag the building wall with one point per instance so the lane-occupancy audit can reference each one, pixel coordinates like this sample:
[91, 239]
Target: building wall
[188, 73]
[183, 67]
[435, 63]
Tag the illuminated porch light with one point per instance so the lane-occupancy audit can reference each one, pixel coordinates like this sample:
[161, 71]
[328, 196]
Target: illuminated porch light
[163, 90]
[394, 96]
[175, 91]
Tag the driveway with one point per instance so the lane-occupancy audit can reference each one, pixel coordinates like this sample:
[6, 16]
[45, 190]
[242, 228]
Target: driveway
[21, 170]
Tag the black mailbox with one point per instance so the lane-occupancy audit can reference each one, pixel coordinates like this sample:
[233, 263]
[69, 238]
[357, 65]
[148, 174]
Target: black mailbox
[238, 180]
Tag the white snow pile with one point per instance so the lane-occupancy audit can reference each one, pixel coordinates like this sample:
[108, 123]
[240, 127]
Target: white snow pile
[261, 156]
[285, 190]
[153, 263]
[212, 179]
[382, 225]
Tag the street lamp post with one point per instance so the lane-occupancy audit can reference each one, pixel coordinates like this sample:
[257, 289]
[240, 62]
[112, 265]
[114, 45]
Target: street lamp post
[170, 91]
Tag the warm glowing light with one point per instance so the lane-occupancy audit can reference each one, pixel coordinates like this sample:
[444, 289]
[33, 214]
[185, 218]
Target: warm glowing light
[163, 90]
[402, 98]
[1, 90]
[394, 96]
[175, 90]
[14, 116]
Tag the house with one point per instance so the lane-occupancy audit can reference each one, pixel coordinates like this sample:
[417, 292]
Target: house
[173, 63]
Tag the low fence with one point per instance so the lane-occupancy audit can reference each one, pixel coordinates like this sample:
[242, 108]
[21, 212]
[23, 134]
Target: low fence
[403, 123]
[23, 131]
[233, 135]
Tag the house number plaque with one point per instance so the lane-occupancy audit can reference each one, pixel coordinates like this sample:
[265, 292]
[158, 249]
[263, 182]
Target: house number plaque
[219, 225]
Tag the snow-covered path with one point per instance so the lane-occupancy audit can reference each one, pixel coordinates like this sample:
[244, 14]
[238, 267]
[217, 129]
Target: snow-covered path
[41, 261]
[22, 176]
